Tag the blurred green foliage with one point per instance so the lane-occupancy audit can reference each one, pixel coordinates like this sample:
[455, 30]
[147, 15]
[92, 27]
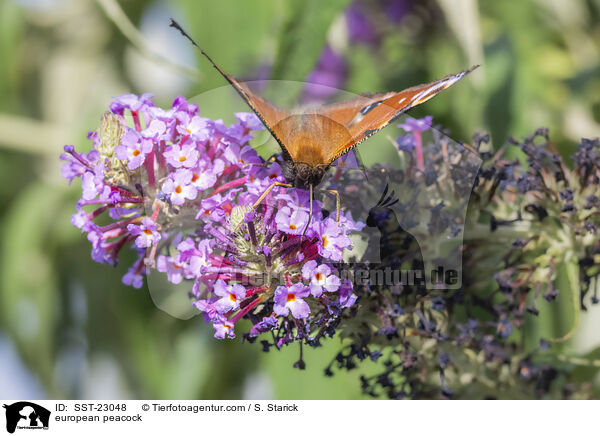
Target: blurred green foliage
[71, 320]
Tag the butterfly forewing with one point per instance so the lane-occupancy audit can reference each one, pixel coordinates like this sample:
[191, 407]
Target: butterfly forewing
[345, 112]
[374, 116]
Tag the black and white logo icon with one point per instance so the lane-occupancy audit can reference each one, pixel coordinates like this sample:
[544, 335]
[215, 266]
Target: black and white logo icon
[26, 415]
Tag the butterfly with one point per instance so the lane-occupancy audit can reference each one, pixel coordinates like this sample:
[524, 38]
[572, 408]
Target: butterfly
[311, 141]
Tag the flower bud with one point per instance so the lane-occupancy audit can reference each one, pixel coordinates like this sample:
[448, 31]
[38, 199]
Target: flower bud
[112, 130]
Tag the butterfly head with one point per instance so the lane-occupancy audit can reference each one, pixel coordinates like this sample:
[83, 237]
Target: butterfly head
[302, 175]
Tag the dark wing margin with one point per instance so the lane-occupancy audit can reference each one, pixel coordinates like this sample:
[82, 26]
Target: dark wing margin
[268, 113]
[371, 119]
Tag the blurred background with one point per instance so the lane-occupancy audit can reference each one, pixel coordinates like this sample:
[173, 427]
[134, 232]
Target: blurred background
[68, 327]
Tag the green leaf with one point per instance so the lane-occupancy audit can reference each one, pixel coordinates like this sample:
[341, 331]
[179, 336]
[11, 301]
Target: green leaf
[11, 25]
[28, 301]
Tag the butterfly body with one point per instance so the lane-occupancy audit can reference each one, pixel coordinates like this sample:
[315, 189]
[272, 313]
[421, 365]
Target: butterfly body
[308, 136]
[313, 139]
[302, 175]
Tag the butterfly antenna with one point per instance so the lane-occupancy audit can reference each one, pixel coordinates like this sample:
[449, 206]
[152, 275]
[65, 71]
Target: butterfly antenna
[177, 26]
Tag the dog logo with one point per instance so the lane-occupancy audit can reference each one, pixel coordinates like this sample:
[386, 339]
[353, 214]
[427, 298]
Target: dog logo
[26, 415]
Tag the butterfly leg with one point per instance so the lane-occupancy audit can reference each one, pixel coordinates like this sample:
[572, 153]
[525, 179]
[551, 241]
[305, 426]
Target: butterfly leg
[262, 197]
[310, 210]
[269, 189]
[338, 204]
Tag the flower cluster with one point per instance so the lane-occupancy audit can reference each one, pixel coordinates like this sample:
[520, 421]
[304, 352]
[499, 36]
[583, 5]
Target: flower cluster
[530, 237]
[197, 203]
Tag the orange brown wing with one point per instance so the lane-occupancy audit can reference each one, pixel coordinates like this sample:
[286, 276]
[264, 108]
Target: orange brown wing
[268, 113]
[373, 117]
[344, 112]
[308, 136]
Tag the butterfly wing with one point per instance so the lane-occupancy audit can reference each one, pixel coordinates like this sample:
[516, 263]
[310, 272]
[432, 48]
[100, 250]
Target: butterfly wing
[309, 135]
[346, 111]
[319, 137]
[269, 114]
[366, 115]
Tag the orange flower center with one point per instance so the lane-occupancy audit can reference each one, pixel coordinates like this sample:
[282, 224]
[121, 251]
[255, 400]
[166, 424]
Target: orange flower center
[195, 177]
[178, 189]
[293, 227]
[325, 241]
[148, 232]
[319, 276]
[290, 297]
[182, 159]
[136, 152]
[272, 175]
[233, 298]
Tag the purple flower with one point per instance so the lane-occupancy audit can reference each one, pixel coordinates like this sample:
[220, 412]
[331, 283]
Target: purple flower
[131, 102]
[417, 124]
[241, 156]
[92, 183]
[360, 27]
[208, 310]
[147, 233]
[180, 104]
[396, 10]
[291, 299]
[195, 259]
[268, 323]
[291, 221]
[349, 160]
[198, 128]
[321, 279]
[223, 329]
[134, 276]
[156, 130]
[79, 219]
[406, 143]
[249, 120]
[210, 208]
[328, 76]
[185, 156]
[347, 298]
[299, 199]
[332, 239]
[348, 224]
[231, 296]
[171, 267]
[205, 174]
[77, 164]
[133, 149]
[179, 187]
